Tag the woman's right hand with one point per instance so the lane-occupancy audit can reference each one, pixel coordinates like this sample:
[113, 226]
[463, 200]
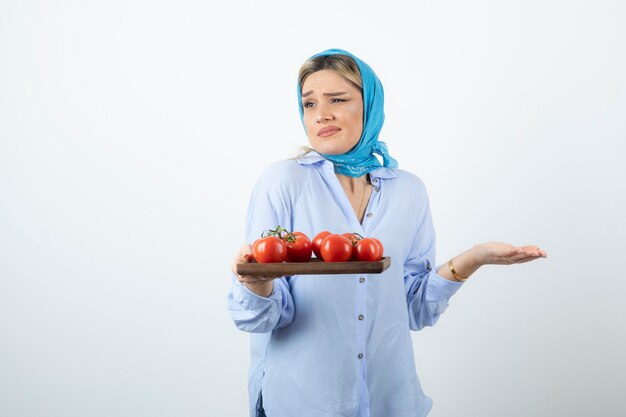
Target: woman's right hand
[261, 285]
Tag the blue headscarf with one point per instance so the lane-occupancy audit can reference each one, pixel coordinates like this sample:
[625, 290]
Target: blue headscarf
[360, 160]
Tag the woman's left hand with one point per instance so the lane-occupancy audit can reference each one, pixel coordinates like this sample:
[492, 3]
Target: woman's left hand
[498, 253]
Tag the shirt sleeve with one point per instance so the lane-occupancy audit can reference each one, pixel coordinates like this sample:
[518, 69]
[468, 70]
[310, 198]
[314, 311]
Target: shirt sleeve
[255, 314]
[269, 206]
[427, 293]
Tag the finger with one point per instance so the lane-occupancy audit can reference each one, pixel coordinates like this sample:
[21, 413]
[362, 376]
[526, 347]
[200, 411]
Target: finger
[251, 279]
[528, 258]
[248, 279]
[245, 253]
[524, 260]
[519, 257]
[270, 277]
[529, 251]
[257, 278]
[535, 250]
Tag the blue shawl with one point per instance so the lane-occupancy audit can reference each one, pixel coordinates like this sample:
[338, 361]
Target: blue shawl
[360, 160]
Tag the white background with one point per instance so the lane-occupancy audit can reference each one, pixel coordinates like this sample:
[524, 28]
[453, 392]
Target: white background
[131, 133]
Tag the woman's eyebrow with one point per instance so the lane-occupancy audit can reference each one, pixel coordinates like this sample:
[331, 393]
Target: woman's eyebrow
[339, 93]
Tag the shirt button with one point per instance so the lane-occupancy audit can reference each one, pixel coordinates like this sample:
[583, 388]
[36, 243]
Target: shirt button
[361, 317]
[377, 189]
[360, 356]
[369, 214]
[375, 180]
[361, 280]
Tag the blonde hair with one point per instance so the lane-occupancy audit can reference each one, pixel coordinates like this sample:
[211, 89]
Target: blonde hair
[342, 65]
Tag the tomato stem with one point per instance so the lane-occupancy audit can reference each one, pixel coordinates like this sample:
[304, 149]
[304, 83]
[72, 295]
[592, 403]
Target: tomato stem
[282, 233]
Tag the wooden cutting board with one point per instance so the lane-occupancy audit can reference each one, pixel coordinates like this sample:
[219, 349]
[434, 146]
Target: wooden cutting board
[313, 267]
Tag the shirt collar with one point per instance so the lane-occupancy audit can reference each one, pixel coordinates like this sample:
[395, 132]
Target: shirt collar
[310, 158]
[313, 157]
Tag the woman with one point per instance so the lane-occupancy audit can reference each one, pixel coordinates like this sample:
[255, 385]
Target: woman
[339, 345]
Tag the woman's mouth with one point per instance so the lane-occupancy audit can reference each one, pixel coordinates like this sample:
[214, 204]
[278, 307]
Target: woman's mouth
[328, 131]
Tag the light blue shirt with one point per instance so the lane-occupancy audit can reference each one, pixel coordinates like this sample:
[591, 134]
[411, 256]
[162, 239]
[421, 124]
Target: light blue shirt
[339, 345]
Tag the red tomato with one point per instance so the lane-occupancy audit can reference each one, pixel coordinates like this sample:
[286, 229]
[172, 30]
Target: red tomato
[269, 250]
[336, 248]
[380, 245]
[367, 250]
[352, 237]
[300, 249]
[317, 242]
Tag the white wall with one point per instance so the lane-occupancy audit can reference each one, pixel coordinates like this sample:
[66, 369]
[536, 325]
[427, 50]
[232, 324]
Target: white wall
[131, 133]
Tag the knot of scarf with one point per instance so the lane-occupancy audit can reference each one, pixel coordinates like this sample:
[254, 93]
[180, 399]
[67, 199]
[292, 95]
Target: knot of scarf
[360, 160]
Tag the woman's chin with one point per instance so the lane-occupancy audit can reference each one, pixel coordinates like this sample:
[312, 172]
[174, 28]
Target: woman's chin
[329, 150]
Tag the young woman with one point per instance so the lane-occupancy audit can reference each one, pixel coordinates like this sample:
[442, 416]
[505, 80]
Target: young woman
[339, 345]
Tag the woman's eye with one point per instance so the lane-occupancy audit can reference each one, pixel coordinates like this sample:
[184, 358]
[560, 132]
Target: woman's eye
[338, 100]
[307, 105]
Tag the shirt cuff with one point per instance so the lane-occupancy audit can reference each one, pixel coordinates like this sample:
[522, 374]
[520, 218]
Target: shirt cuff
[253, 301]
[439, 288]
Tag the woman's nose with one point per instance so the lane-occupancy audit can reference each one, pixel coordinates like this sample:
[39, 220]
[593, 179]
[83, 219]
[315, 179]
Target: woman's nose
[323, 115]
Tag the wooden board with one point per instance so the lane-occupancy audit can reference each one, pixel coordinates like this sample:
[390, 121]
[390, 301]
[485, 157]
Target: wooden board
[313, 267]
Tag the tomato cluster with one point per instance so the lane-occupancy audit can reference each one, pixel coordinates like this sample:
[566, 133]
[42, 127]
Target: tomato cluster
[282, 245]
[345, 247]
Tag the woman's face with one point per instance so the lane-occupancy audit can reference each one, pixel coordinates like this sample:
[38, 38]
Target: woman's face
[333, 112]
